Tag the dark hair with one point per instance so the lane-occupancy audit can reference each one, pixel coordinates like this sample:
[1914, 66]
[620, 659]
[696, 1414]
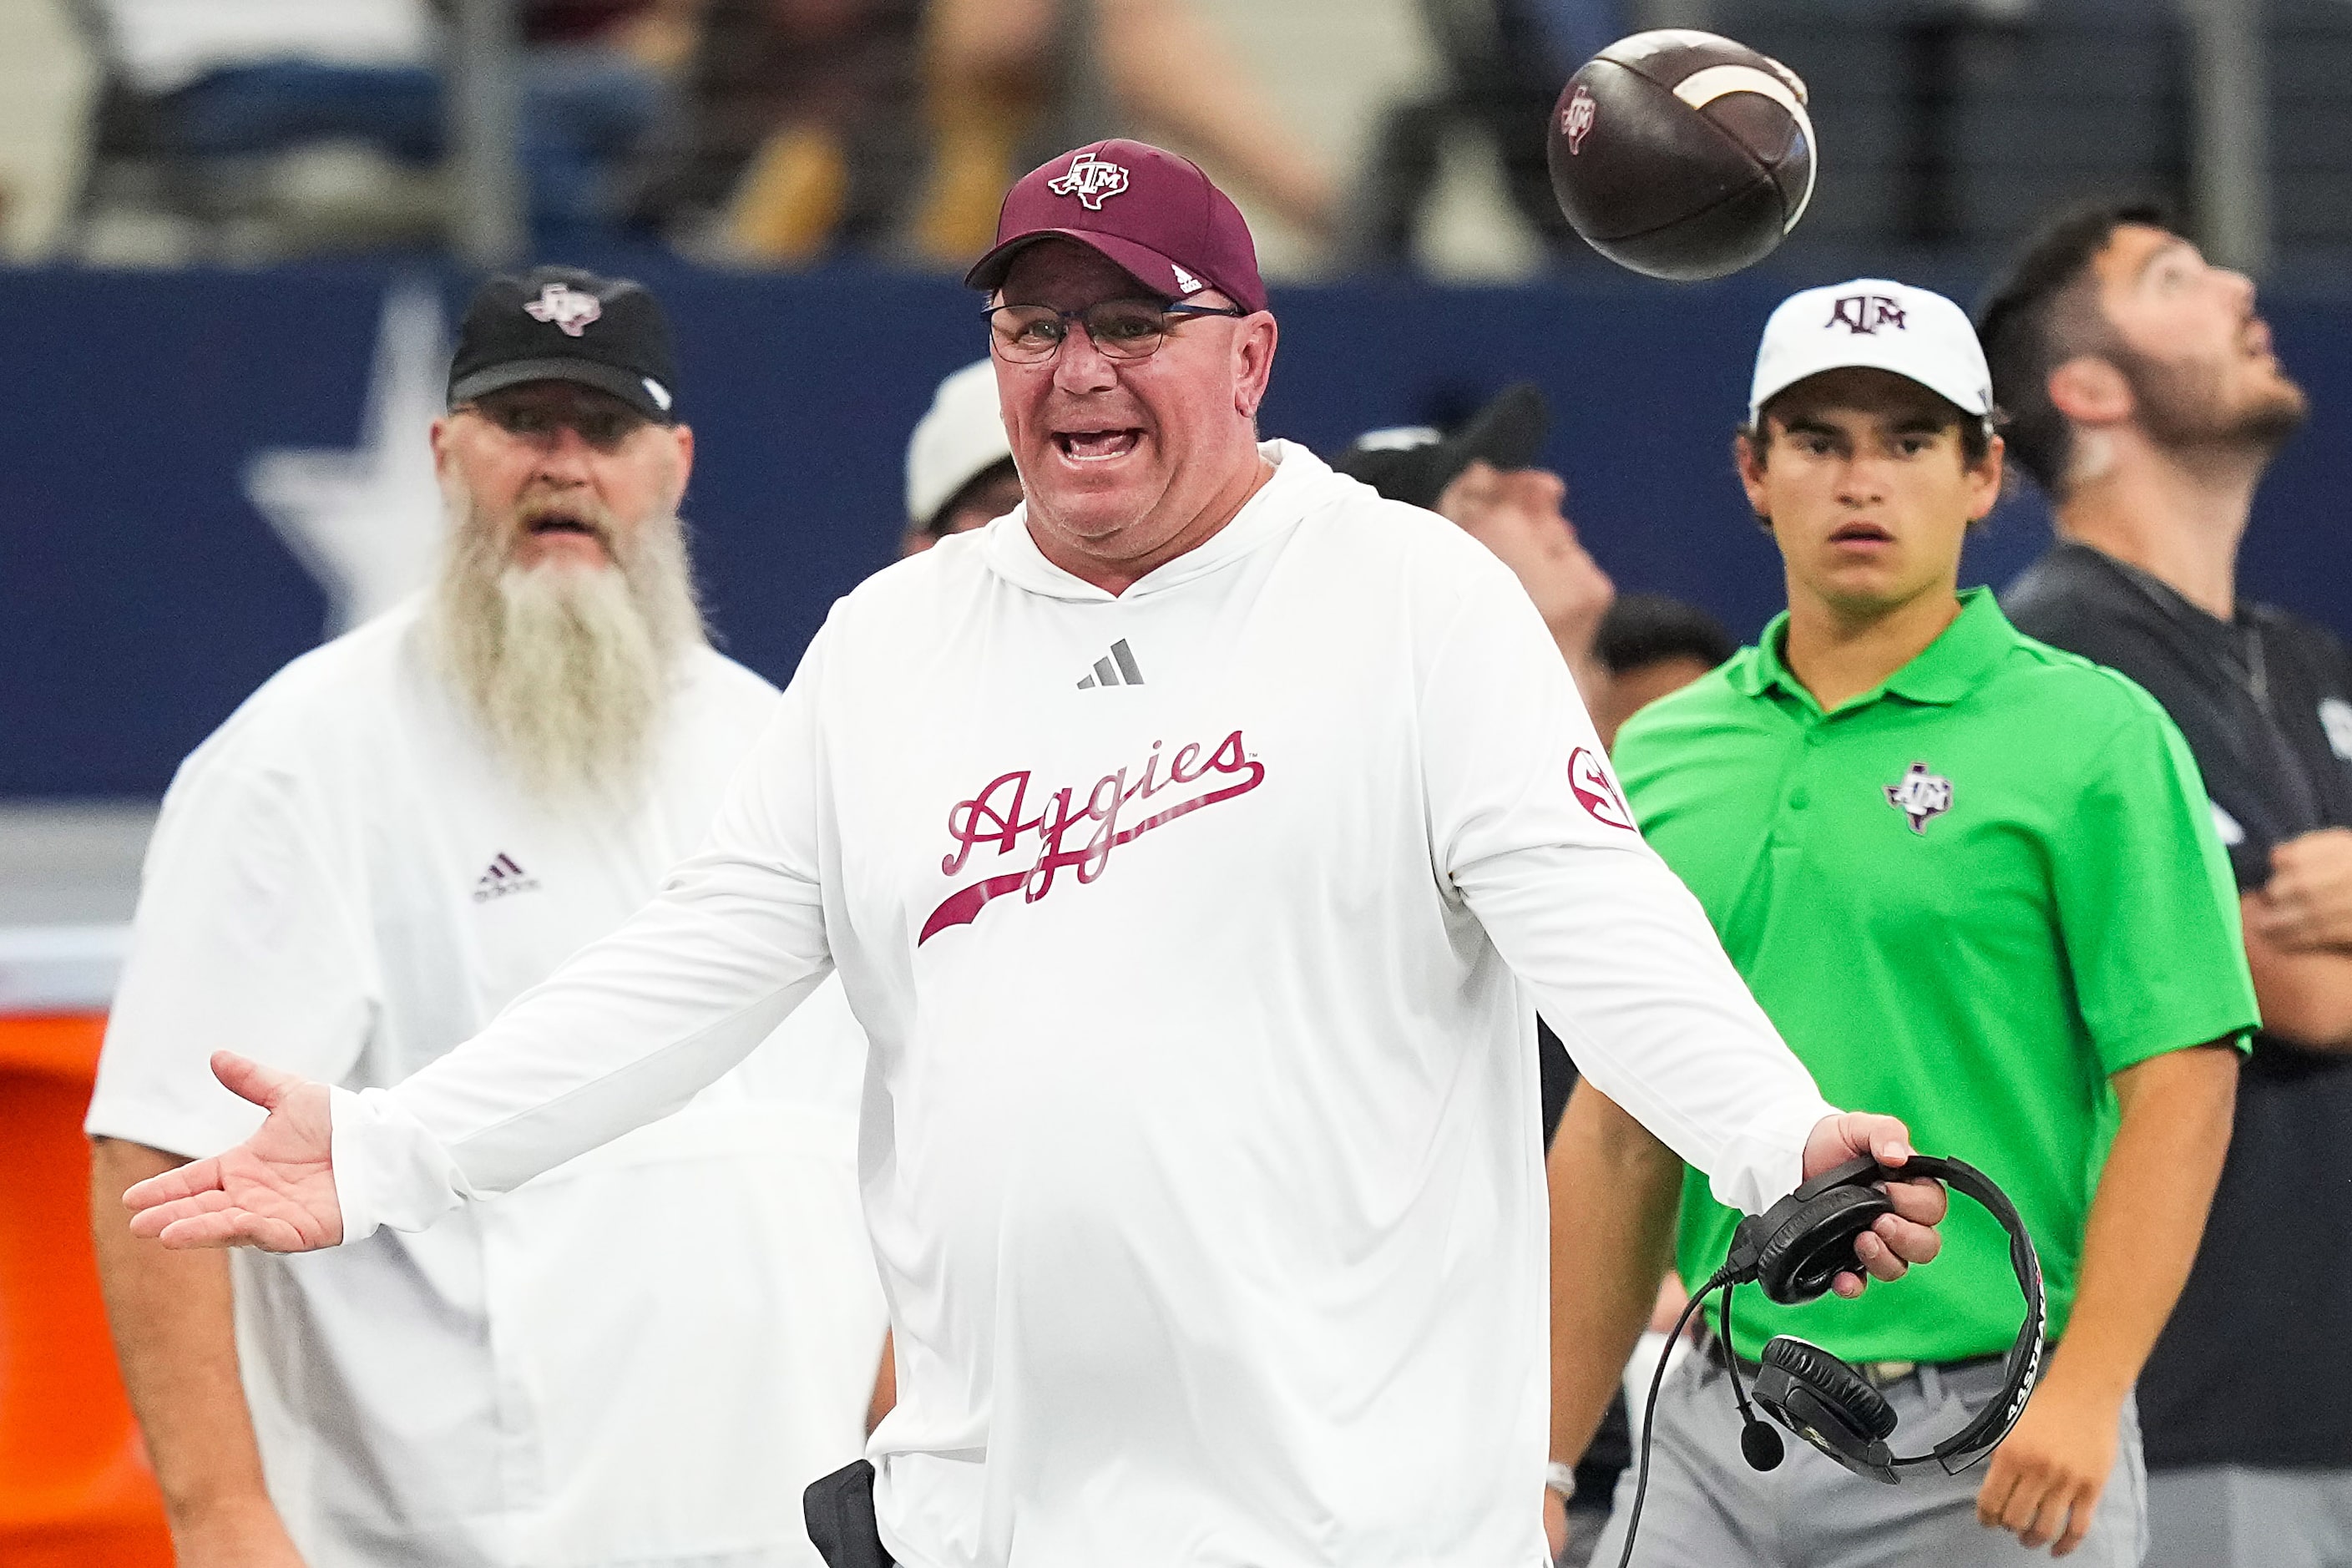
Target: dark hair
[1643, 629]
[1975, 434]
[2025, 338]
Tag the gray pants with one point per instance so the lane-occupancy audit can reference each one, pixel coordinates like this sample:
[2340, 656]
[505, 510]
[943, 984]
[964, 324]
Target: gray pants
[1708, 1510]
[2236, 1516]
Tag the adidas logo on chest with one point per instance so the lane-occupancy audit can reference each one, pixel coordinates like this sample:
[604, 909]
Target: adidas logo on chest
[1117, 667]
[504, 879]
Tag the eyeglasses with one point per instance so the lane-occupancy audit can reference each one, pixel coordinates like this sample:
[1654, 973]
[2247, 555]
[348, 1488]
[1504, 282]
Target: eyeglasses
[1120, 329]
[602, 422]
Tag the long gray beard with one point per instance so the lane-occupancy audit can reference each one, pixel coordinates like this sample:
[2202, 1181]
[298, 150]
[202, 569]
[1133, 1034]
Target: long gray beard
[568, 669]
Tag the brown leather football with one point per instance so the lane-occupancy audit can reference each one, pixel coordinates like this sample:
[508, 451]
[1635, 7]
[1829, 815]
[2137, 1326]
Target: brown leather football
[1682, 155]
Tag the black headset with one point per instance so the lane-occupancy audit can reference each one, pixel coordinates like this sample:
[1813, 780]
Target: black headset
[1794, 1249]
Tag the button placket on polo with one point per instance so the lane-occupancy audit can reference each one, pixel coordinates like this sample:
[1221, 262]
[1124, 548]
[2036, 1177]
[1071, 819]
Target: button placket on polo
[1801, 792]
[1819, 766]
[1793, 791]
[1759, 905]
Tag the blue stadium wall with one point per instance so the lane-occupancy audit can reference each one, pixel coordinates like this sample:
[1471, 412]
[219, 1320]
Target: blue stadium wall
[142, 597]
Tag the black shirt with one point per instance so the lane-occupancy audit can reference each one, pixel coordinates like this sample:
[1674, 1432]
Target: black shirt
[2255, 1366]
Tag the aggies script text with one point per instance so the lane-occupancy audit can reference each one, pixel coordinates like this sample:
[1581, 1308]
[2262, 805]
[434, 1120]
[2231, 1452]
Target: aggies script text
[1075, 829]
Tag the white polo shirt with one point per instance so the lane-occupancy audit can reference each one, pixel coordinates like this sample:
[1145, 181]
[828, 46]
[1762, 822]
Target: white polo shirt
[638, 1358]
[1195, 931]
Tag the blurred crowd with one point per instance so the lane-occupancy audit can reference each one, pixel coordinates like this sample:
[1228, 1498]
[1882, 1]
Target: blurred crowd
[752, 132]
[781, 132]
[788, 132]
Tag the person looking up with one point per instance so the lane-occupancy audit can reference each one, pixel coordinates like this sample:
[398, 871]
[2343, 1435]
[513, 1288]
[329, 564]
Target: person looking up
[2146, 401]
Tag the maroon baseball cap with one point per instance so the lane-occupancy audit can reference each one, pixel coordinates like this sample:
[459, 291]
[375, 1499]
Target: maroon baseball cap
[1152, 213]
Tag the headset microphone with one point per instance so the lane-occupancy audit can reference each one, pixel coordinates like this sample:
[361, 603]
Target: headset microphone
[1793, 1250]
[1758, 1444]
[1761, 1446]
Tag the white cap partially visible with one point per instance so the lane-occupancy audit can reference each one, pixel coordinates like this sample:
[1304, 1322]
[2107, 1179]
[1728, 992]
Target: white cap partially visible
[962, 438]
[1878, 324]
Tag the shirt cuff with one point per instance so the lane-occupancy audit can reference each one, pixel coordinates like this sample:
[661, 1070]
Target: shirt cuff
[1764, 1160]
[389, 1171]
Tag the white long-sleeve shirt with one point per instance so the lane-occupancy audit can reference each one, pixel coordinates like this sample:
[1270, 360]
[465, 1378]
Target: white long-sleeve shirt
[1194, 931]
[347, 882]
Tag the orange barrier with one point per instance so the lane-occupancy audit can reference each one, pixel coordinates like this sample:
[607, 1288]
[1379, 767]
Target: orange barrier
[76, 1490]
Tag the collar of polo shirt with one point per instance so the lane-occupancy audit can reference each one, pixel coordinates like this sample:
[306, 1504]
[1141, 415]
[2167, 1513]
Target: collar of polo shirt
[1945, 670]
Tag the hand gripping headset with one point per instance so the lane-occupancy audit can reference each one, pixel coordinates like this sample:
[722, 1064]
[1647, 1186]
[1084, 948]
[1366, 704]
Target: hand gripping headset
[1794, 1249]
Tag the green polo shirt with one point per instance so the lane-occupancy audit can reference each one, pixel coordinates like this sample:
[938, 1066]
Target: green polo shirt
[1965, 898]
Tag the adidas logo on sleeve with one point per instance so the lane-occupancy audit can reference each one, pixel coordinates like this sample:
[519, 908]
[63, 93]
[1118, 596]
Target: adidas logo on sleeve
[504, 877]
[1117, 667]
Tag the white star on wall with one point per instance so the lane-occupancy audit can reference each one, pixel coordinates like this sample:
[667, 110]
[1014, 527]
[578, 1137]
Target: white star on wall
[366, 523]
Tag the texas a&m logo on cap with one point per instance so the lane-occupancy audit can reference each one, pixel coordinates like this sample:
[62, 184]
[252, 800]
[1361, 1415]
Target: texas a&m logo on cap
[570, 309]
[1864, 313]
[1576, 119]
[1090, 179]
[1597, 792]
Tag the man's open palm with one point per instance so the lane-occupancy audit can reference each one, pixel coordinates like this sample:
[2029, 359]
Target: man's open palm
[275, 1191]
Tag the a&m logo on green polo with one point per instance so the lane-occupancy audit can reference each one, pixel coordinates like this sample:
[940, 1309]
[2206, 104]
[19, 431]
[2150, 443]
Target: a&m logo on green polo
[1920, 796]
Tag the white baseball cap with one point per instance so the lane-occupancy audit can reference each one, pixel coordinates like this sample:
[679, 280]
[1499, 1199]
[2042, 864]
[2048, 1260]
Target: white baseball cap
[960, 439]
[1878, 324]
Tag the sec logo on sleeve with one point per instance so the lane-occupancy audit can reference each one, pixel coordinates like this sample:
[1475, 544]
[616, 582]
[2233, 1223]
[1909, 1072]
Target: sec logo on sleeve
[1596, 791]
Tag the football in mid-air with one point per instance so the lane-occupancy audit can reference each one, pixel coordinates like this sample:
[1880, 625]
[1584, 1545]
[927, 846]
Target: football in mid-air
[1682, 155]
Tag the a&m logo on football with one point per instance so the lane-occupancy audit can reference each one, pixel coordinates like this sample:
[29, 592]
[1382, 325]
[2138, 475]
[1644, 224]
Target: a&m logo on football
[1576, 119]
[1091, 179]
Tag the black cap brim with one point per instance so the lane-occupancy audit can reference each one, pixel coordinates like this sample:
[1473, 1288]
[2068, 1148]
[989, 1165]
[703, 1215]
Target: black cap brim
[636, 391]
[1508, 433]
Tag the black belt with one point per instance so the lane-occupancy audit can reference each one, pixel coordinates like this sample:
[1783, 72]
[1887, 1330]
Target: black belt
[1879, 1374]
